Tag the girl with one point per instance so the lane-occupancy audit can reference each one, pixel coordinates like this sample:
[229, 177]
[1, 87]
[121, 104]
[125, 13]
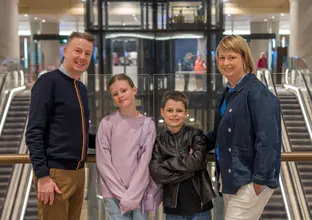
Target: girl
[121, 161]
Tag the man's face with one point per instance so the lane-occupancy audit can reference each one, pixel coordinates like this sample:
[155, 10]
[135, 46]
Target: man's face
[77, 55]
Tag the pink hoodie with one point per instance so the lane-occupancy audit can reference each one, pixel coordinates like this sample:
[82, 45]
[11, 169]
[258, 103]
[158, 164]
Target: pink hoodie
[121, 176]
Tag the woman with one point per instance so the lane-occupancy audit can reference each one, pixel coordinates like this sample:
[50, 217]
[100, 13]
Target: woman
[122, 158]
[247, 134]
[262, 62]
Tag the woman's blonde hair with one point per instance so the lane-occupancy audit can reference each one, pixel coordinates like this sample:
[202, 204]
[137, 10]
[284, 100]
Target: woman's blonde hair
[237, 44]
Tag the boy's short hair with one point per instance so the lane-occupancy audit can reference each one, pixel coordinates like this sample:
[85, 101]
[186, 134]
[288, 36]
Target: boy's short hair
[176, 96]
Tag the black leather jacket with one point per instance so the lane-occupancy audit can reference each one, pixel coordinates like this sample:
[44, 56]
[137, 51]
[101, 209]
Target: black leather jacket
[172, 163]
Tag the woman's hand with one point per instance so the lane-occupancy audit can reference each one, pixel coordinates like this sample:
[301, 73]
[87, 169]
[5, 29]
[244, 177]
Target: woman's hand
[258, 188]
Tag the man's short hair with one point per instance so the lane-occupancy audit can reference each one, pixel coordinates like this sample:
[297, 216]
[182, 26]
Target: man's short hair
[176, 96]
[81, 35]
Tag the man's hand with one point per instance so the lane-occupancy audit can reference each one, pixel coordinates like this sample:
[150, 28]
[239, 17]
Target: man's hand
[46, 188]
[258, 188]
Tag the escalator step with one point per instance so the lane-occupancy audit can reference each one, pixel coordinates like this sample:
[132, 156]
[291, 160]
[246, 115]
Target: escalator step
[8, 137]
[17, 114]
[304, 135]
[12, 131]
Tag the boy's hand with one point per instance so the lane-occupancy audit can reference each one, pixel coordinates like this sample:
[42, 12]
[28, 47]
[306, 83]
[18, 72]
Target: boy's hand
[191, 151]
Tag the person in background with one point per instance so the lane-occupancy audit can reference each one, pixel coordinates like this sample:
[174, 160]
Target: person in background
[247, 134]
[58, 132]
[122, 163]
[262, 61]
[200, 73]
[179, 163]
[187, 68]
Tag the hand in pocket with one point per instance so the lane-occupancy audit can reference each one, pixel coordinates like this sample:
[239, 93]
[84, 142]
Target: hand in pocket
[258, 188]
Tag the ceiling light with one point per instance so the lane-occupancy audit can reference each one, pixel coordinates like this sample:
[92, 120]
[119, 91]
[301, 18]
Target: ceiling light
[282, 14]
[265, 19]
[161, 121]
[26, 15]
[273, 17]
[35, 18]
[229, 15]
[192, 119]
[43, 20]
[123, 24]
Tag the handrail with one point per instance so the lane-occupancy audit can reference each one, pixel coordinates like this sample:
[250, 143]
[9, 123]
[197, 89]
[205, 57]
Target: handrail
[25, 159]
[303, 107]
[305, 82]
[3, 82]
[6, 110]
[289, 182]
[17, 190]
[298, 185]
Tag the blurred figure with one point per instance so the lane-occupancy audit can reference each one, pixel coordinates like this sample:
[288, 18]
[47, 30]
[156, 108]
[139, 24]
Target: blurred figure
[200, 70]
[262, 62]
[187, 67]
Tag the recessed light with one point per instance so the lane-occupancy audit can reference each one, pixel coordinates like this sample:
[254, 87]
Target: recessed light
[123, 24]
[192, 119]
[229, 15]
[35, 18]
[43, 20]
[265, 19]
[282, 14]
[26, 15]
[273, 17]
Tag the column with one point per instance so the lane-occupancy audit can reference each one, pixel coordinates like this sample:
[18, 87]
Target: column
[9, 39]
[50, 48]
[259, 46]
[301, 32]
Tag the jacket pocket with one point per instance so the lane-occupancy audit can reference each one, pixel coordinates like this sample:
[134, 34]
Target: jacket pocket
[242, 160]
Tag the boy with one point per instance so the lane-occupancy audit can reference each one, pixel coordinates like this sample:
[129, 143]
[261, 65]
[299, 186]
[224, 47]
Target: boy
[179, 163]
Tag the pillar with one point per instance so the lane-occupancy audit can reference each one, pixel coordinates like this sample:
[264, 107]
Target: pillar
[259, 46]
[50, 48]
[301, 32]
[9, 39]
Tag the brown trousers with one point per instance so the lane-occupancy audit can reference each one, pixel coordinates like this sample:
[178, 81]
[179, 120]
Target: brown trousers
[68, 204]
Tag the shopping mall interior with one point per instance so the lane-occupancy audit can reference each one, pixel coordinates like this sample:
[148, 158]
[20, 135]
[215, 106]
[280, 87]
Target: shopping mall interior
[150, 40]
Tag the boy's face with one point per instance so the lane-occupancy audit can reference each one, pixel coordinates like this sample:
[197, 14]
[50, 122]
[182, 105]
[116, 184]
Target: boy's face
[174, 114]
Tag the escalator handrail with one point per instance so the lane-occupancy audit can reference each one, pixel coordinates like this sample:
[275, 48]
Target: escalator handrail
[292, 213]
[304, 207]
[305, 81]
[306, 116]
[3, 82]
[7, 105]
[6, 211]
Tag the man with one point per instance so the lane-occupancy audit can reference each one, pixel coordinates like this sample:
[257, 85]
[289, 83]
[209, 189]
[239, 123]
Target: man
[57, 133]
[187, 68]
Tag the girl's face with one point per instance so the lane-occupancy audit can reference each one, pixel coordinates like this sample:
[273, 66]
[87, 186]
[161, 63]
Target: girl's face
[122, 93]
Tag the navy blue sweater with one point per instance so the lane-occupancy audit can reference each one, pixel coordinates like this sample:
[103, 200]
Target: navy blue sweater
[58, 125]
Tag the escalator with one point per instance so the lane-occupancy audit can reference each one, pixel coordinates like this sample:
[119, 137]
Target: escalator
[275, 208]
[32, 207]
[299, 138]
[11, 137]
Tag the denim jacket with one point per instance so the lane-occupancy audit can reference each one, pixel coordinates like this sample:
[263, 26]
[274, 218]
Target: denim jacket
[248, 136]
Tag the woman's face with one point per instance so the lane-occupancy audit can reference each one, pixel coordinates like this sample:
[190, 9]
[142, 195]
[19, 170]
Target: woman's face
[230, 64]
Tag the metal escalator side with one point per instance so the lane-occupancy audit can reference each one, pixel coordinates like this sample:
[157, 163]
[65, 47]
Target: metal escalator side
[300, 124]
[12, 130]
[283, 203]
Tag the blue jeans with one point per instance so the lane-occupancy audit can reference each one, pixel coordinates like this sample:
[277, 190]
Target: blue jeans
[113, 211]
[200, 216]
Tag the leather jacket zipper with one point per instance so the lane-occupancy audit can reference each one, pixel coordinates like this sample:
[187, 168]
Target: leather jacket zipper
[177, 193]
[201, 203]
